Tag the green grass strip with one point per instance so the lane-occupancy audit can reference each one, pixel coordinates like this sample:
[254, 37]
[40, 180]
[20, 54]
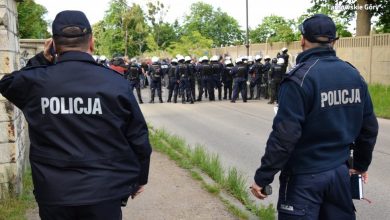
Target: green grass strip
[14, 207]
[380, 95]
[233, 182]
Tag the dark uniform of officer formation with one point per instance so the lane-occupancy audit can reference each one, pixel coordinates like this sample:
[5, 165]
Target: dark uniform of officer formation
[214, 78]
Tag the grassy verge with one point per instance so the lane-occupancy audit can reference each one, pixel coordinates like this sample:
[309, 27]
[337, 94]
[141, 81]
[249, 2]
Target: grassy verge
[380, 95]
[231, 181]
[14, 207]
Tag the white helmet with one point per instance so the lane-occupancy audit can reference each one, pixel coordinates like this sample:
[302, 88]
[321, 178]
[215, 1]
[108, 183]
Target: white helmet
[205, 58]
[95, 57]
[258, 57]
[250, 59]
[174, 60]
[228, 62]
[103, 58]
[133, 60]
[200, 59]
[214, 58]
[228, 58]
[284, 49]
[187, 58]
[244, 58]
[180, 58]
[267, 57]
[155, 59]
[239, 60]
[280, 61]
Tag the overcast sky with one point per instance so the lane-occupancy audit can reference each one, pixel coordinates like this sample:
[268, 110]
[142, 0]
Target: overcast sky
[258, 9]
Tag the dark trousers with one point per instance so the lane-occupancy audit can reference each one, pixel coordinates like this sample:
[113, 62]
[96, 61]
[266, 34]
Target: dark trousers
[102, 211]
[155, 85]
[239, 86]
[210, 87]
[227, 89]
[275, 85]
[135, 84]
[173, 87]
[185, 90]
[325, 195]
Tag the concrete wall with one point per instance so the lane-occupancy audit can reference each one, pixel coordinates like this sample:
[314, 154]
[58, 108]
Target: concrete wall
[13, 132]
[369, 54]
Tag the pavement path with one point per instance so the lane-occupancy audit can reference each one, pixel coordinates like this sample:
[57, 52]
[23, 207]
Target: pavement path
[170, 194]
[238, 133]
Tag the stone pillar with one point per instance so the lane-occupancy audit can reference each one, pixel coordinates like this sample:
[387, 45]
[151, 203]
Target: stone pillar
[12, 124]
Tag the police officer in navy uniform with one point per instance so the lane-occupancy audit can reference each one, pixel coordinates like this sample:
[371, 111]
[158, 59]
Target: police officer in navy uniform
[276, 76]
[217, 69]
[192, 75]
[182, 72]
[284, 55]
[173, 81]
[255, 72]
[156, 75]
[133, 75]
[324, 106]
[204, 70]
[89, 141]
[227, 80]
[265, 77]
[239, 73]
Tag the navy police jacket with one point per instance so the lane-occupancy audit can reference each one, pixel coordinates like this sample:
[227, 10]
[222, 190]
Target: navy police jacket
[89, 139]
[324, 106]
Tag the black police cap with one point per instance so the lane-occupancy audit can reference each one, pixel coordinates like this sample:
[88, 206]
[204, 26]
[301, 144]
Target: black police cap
[69, 18]
[319, 25]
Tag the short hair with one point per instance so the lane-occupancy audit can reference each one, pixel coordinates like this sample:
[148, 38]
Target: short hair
[65, 43]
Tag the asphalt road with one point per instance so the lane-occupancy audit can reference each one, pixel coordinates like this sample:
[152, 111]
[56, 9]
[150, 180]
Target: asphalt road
[238, 133]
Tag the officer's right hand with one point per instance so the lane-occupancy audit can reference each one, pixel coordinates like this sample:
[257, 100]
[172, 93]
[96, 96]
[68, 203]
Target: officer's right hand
[256, 191]
[46, 50]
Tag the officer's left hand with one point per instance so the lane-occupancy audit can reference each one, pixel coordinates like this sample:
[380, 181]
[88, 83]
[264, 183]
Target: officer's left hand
[256, 191]
[140, 190]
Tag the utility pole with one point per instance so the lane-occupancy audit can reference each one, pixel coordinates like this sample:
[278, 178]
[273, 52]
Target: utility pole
[247, 31]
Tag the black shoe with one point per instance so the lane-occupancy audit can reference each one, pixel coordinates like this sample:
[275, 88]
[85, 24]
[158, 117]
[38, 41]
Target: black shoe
[151, 101]
[161, 101]
[244, 101]
[141, 102]
[192, 102]
[233, 101]
[270, 102]
[168, 100]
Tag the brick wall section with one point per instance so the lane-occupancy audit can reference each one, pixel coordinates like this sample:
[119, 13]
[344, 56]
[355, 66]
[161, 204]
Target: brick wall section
[13, 132]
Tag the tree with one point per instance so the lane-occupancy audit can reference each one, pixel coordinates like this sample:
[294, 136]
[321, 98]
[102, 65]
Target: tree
[123, 30]
[31, 21]
[364, 11]
[275, 28]
[162, 32]
[341, 22]
[193, 44]
[213, 24]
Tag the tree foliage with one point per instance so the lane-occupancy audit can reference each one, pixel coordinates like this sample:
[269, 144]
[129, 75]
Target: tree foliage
[31, 21]
[193, 44]
[213, 24]
[275, 28]
[370, 8]
[342, 22]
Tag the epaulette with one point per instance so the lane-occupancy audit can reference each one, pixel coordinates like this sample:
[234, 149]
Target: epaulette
[291, 75]
[351, 65]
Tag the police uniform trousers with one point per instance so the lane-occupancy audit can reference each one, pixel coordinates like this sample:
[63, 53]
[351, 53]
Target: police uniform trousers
[255, 83]
[210, 87]
[202, 87]
[218, 86]
[172, 89]
[101, 211]
[275, 85]
[185, 89]
[155, 85]
[137, 85]
[325, 195]
[239, 86]
[227, 89]
[192, 85]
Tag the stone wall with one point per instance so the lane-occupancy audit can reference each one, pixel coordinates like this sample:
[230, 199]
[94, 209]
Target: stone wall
[13, 129]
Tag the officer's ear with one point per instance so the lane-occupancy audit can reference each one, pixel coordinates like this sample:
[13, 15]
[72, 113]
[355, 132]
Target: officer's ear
[302, 41]
[91, 43]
